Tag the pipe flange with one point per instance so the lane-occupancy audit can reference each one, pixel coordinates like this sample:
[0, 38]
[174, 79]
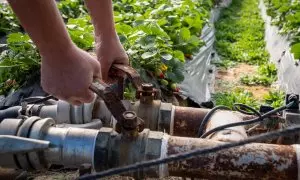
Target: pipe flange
[63, 112]
[24, 131]
[88, 111]
[10, 126]
[102, 149]
[38, 130]
[76, 114]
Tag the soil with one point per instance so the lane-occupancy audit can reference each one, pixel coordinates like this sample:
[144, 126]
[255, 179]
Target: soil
[226, 79]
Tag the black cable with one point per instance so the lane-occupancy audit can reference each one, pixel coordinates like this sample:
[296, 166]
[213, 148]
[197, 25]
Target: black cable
[255, 120]
[190, 154]
[242, 108]
[207, 117]
[41, 100]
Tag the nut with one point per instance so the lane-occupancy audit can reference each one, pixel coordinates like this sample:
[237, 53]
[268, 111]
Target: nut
[165, 116]
[154, 144]
[147, 87]
[153, 151]
[130, 120]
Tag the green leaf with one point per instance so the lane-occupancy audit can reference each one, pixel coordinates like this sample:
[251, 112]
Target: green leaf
[17, 37]
[295, 49]
[166, 56]
[123, 28]
[179, 55]
[148, 55]
[185, 34]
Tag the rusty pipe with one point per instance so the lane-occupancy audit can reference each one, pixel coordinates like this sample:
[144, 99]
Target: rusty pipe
[252, 161]
[187, 120]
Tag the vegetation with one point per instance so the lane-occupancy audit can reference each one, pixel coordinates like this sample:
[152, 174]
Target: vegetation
[19, 63]
[275, 98]
[8, 21]
[240, 38]
[158, 36]
[238, 95]
[286, 15]
[240, 33]
[267, 74]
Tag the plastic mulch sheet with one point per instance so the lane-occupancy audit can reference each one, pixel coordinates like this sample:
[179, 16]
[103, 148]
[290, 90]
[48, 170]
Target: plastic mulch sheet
[198, 81]
[278, 47]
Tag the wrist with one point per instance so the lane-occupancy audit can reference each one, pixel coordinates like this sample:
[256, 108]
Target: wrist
[106, 35]
[58, 48]
[56, 52]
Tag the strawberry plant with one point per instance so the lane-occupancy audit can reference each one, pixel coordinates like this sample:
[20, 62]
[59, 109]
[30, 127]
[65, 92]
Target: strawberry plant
[8, 21]
[81, 32]
[240, 33]
[19, 63]
[71, 8]
[157, 35]
[286, 15]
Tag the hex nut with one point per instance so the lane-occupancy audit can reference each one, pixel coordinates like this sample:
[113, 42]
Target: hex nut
[153, 151]
[147, 86]
[153, 148]
[130, 120]
[165, 115]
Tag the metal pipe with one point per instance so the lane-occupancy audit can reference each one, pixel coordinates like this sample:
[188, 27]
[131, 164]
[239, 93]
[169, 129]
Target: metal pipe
[232, 134]
[70, 147]
[95, 124]
[252, 161]
[187, 120]
[105, 149]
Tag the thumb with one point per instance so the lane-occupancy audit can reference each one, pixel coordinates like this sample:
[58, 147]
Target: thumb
[96, 70]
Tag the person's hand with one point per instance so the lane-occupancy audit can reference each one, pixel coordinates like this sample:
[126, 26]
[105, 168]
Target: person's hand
[67, 75]
[110, 52]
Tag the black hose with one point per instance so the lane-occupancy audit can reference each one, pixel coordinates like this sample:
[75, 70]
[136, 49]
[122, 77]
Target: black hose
[207, 117]
[12, 112]
[242, 108]
[243, 123]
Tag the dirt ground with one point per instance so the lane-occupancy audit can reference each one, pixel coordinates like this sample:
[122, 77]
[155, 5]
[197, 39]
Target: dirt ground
[63, 174]
[226, 79]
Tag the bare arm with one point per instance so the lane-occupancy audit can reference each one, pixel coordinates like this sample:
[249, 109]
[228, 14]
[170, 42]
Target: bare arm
[108, 47]
[102, 18]
[42, 21]
[66, 71]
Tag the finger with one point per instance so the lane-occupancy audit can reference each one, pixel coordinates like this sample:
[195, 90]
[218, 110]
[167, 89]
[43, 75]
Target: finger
[74, 101]
[88, 97]
[104, 72]
[122, 60]
[96, 70]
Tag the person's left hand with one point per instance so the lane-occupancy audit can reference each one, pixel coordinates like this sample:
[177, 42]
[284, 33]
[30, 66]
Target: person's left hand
[110, 52]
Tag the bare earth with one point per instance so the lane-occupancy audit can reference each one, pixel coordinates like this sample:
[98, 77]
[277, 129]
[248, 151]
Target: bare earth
[228, 79]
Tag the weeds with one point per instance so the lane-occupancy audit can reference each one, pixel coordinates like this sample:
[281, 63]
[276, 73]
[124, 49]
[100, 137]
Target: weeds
[240, 33]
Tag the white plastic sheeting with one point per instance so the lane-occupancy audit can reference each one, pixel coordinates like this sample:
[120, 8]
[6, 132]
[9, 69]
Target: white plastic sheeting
[197, 84]
[278, 47]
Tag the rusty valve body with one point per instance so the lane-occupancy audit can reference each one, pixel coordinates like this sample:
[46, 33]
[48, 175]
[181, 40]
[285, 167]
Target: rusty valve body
[131, 124]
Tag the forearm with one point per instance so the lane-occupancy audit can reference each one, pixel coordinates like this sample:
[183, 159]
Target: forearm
[42, 21]
[101, 12]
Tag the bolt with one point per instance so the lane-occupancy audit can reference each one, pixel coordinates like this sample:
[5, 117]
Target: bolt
[147, 86]
[130, 120]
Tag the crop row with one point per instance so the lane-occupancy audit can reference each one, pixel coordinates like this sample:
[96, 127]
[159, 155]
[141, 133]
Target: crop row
[157, 35]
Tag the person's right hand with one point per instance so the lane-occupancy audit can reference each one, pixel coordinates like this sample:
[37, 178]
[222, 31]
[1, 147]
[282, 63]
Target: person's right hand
[68, 74]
